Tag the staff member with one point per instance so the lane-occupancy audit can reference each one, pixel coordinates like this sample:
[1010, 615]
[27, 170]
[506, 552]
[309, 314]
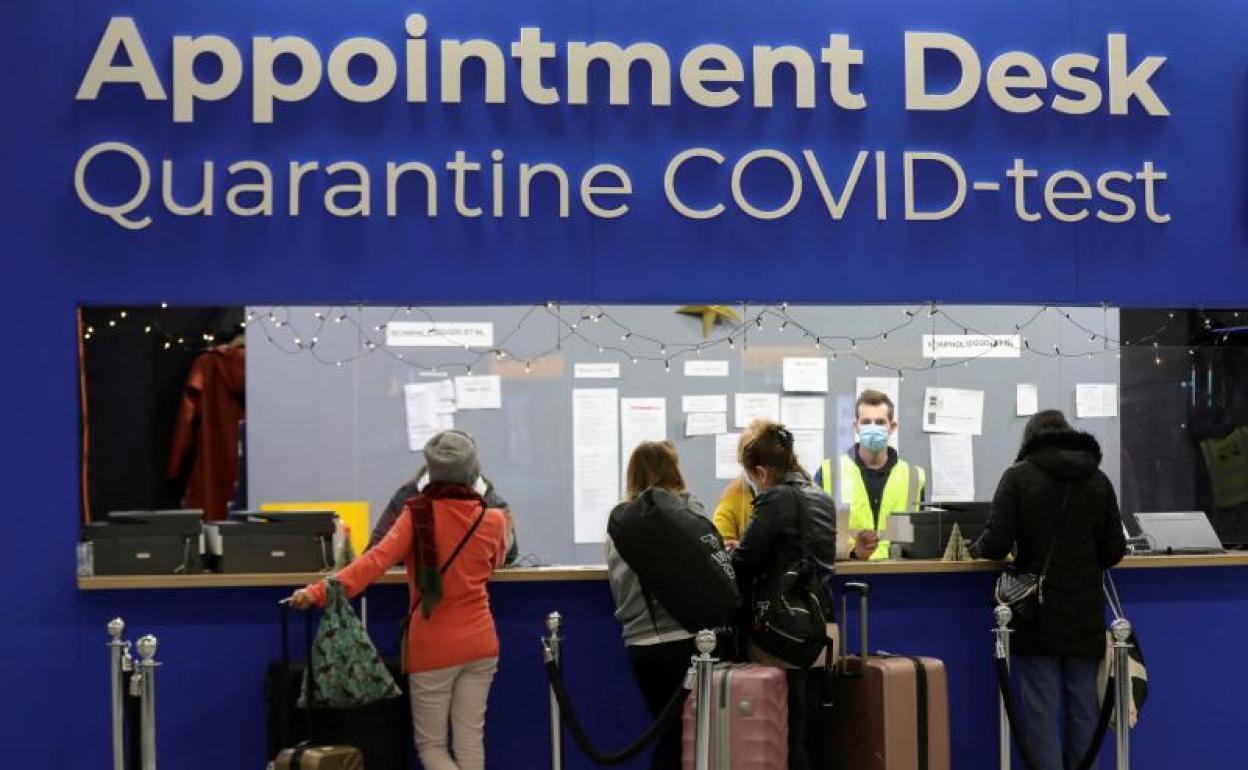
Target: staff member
[871, 478]
[413, 487]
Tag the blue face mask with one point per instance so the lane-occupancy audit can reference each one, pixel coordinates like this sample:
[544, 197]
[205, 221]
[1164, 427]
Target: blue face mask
[873, 437]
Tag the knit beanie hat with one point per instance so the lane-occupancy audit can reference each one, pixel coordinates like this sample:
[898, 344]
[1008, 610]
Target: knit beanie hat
[451, 457]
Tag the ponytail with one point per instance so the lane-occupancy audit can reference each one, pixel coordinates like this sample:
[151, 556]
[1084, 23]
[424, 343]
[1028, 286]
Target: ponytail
[771, 448]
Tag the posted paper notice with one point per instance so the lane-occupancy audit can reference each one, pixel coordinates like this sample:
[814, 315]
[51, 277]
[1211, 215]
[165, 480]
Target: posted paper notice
[483, 392]
[641, 419]
[751, 406]
[797, 413]
[596, 461]
[951, 410]
[596, 371]
[714, 403]
[1096, 399]
[423, 420]
[1026, 399]
[808, 445]
[953, 468]
[806, 375]
[726, 465]
[706, 423]
[706, 368]
[444, 334]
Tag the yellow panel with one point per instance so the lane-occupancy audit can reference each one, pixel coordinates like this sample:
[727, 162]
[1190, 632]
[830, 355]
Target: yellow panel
[353, 513]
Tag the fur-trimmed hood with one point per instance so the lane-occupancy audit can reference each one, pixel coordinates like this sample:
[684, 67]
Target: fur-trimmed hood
[1067, 455]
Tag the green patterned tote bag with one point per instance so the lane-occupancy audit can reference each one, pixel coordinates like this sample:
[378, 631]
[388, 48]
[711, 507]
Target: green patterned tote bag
[348, 671]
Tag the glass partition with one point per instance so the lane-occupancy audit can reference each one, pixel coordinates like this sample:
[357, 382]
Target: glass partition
[338, 401]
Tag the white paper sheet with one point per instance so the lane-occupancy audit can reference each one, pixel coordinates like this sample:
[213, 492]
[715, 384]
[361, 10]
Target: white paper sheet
[596, 371]
[889, 386]
[953, 468]
[421, 404]
[444, 334]
[951, 410]
[972, 345]
[798, 413]
[806, 375]
[713, 403]
[641, 419]
[706, 423]
[445, 391]
[726, 465]
[698, 368]
[751, 406]
[483, 392]
[808, 445]
[1026, 399]
[596, 461]
[1096, 399]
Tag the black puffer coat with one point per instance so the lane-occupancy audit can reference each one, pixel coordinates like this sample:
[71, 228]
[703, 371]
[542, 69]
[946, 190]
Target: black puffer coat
[1026, 509]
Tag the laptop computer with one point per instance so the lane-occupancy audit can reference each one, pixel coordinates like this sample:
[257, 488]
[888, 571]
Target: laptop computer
[1170, 532]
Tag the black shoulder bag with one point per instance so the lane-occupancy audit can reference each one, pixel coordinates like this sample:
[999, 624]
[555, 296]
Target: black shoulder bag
[1023, 592]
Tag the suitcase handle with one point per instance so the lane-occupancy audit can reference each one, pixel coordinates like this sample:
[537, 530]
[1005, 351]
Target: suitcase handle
[862, 589]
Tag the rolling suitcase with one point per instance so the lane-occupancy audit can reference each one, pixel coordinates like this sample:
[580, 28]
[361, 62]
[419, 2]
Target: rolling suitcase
[892, 711]
[320, 758]
[750, 721]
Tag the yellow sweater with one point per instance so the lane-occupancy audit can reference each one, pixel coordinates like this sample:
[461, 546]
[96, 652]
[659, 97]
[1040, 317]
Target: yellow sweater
[733, 510]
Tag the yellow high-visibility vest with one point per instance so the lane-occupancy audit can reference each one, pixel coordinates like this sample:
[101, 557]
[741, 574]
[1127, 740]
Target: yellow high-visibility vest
[902, 492]
[1226, 461]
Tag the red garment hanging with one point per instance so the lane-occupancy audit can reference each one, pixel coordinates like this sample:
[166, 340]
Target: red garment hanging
[206, 430]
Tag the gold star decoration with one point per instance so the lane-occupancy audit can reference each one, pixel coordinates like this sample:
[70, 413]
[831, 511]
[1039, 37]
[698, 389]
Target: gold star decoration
[711, 315]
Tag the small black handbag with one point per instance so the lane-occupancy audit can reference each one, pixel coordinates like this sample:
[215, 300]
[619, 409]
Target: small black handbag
[1023, 592]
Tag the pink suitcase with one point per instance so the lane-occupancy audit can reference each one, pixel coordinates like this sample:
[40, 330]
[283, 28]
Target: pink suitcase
[750, 721]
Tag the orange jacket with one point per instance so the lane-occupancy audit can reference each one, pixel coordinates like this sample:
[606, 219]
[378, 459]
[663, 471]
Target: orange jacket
[461, 628]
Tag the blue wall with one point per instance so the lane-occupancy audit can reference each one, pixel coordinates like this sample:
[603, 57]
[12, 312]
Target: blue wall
[58, 254]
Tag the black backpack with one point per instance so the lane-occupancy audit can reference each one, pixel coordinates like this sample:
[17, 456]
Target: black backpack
[678, 557]
[791, 604]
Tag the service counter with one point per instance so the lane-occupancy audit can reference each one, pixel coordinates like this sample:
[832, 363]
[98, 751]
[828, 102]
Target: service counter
[216, 642]
[599, 572]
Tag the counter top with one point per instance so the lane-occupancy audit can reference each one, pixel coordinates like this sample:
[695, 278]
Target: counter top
[599, 572]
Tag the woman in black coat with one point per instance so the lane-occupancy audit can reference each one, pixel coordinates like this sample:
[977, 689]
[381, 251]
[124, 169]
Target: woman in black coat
[1056, 494]
[772, 543]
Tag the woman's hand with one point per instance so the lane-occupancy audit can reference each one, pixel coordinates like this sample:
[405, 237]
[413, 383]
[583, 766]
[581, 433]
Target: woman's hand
[300, 599]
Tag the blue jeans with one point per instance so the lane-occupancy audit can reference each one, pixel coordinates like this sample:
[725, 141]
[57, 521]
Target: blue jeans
[1046, 686]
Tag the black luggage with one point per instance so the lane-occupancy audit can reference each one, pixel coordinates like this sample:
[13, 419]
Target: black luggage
[381, 731]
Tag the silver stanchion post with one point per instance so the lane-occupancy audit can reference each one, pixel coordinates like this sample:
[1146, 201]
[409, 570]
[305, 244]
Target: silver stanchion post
[1120, 628]
[1003, 615]
[118, 663]
[554, 621]
[146, 647]
[704, 666]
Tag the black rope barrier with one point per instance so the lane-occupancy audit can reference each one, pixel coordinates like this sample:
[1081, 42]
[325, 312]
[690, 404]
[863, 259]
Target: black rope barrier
[670, 712]
[1024, 750]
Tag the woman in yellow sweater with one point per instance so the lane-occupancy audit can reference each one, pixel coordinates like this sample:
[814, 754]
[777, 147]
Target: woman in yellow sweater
[732, 512]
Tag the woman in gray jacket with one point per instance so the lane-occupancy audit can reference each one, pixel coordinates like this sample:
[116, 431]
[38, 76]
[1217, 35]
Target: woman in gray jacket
[658, 647]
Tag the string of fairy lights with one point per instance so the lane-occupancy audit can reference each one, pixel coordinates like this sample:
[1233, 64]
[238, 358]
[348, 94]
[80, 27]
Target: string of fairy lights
[299, 331]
